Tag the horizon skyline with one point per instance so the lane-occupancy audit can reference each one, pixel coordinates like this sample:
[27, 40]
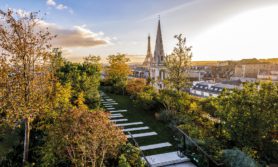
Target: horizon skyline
[217, 30]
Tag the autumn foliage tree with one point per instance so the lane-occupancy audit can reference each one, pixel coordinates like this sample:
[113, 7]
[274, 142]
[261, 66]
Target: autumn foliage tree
[86, 138]
[25, 73]
[118, 71]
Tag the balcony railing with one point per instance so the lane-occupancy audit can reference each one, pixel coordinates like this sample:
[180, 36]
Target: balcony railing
[188, 147]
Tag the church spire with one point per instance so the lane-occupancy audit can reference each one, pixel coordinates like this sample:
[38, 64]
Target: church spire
[148, 59]
[159, 51]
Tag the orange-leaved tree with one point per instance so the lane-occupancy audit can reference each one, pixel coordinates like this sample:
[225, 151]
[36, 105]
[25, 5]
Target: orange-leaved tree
[25, 70]
[85, 138]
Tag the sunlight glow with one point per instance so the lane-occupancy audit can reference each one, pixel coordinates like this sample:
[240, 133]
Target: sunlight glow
[247, 35]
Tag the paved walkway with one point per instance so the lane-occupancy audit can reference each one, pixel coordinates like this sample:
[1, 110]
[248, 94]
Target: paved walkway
[168, 159]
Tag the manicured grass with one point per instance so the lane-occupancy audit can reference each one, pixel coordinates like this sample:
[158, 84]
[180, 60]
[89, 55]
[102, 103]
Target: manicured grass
[136, 113]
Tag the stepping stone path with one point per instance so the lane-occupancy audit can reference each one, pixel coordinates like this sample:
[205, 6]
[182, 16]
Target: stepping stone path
[154, 146]
[116, 111]
[129, 124]
[141, 135]
[135, 129]
[168, 159]
[119, 120]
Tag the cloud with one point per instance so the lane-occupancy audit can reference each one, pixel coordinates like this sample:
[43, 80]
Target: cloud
[57, 6]
[77, 36]
[61, 7]
[51, 2]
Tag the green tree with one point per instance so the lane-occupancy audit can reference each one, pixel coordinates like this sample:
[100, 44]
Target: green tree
[118, 71]
[25, 74]
[178, 64]
[83, 78]
[249, 118]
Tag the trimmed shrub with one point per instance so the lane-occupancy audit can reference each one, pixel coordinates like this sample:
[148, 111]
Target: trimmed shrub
[237, 158]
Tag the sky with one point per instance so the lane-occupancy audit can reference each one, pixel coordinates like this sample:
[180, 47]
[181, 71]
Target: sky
[216, 29]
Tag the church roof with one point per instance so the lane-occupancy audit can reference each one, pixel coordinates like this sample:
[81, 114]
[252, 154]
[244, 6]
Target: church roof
[159, 51]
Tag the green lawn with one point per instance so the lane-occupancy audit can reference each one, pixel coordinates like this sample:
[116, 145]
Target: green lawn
[135, 113]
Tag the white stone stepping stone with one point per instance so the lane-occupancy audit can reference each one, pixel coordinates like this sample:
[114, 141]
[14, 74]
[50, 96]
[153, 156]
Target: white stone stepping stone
[110, 108]
[116, 116]
[155, 146]
[108, 103]
[114, 111]
[131, 123]
[142, 134]
[183, 164]
[135, 129]
[109, 99]
[166, 159]
[119, 120]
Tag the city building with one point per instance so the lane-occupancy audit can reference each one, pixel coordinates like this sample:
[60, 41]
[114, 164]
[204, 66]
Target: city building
[252, 70]
[207, 89]
[268, 75]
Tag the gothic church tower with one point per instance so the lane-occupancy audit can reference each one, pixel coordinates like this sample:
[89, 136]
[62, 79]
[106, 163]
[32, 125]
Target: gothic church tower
[148, 59]
[157, 69]
[159, 51]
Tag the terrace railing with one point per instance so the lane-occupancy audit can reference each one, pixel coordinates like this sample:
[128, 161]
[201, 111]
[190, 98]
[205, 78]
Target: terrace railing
[188, 147]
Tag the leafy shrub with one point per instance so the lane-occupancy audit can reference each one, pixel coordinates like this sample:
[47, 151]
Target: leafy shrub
[135, 86]
[147, 98]
[131, 156]
[123, 161]
[166, 115]
[207, 105]
[174, 100]
[237, 158]
[193, 131]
